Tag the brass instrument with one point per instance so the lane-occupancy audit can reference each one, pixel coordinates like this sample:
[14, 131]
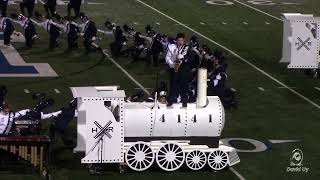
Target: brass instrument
[177, 63]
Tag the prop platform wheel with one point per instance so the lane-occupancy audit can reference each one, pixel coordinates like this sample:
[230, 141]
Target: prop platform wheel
[218, 160]
[170, 157]
[139, 156]
[196, 160]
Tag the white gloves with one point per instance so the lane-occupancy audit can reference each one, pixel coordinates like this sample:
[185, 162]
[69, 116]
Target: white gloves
[180, 56]
[218, 77]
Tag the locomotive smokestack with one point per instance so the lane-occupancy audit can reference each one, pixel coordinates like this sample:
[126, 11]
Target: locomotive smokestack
[202, 87]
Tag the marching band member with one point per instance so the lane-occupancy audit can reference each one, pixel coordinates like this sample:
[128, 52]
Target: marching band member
[75, 5]
[216, 85]
[7, 118]
[138, 48]
[7, 28]
[52, 28]
[119, 41]
[179, 70]
[29, 4]
[72, 30]
[3, 7]
[50, 7]
[156, 47]
[89, 33]
[217, 75]
[165, 42]
[161, 93]
[29, 30]
[62, 119]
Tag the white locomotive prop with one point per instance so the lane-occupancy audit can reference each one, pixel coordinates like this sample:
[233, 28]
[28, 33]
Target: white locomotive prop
[301, 41]
[141, 134]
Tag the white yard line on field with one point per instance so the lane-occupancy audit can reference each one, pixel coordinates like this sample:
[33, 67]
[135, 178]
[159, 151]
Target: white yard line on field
[283, 141]
[41, 1]
[317, 88]
[126, 72]
[234, 54]
[234, 90]
[237, 173]
[261, 88]
[177, 24]
[95, 3]
[290, 3]
[256, 9]
[137, 88]
[285, 88]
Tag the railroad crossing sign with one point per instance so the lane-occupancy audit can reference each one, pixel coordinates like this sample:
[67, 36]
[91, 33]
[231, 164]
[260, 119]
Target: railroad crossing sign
[301, 41]
[306, 44]
[103, 130]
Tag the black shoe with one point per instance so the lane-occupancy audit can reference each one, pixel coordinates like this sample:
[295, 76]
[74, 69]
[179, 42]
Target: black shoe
[184, 104]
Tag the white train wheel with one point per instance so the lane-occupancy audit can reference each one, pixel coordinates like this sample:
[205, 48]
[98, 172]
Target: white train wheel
[139, 156]
[170, 157]
[196, 160]
[218, 160]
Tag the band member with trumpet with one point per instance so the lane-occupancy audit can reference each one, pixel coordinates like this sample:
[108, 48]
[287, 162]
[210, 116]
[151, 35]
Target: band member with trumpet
[180, 70]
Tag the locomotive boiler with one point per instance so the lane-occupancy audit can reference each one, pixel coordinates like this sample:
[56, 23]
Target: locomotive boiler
[141, 134]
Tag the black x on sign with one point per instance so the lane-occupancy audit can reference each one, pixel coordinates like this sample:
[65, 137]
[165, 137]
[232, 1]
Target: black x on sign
[306, 44]
[103, 130]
